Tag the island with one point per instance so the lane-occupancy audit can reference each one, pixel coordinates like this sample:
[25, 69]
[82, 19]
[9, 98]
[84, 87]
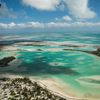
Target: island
[6, 60]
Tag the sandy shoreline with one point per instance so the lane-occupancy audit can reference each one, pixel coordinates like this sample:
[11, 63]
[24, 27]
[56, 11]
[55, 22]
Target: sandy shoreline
[54, 85]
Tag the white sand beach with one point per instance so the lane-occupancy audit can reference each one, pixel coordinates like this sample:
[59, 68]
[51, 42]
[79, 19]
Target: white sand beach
[53, 85]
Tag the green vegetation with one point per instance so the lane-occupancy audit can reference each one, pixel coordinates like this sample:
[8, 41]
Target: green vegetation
[25, 89]
[6, 60]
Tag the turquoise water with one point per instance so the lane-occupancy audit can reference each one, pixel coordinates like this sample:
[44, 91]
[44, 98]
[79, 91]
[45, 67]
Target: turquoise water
[81, 71]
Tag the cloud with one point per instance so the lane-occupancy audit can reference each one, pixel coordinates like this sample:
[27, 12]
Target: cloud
[67, 18]
[7, 26]
[49, 25]
[13, 25]
[80, 8]
[42, 4]
[72, 25]
[64, 18]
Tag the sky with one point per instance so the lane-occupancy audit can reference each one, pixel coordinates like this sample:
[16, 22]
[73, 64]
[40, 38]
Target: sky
[49, 15]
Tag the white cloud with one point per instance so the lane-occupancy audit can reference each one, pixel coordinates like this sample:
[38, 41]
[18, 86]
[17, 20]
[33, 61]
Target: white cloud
[80, 8]
[54, 25]
[72, 25]
[3, 26]
[13, 25]
[67, 18]
[31, 25]
[42, 4]
[64, 19]
[7, 26]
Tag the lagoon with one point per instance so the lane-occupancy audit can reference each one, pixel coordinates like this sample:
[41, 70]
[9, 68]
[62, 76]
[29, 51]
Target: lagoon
[78, 73]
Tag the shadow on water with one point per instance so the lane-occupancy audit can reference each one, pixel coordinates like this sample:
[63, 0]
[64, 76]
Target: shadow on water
[41, 66]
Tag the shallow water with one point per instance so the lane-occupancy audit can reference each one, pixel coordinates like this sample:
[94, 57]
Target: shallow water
[81, 71]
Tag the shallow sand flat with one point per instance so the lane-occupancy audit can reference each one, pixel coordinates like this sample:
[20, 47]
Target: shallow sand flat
[95, 77]
[9, 48]
[50, 43]
[57, 64]
[90, 81]
[15, 47]
[53, 49]
[57, 86]
[54, 85]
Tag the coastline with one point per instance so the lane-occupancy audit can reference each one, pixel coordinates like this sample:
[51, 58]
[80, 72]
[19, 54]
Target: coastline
[52, 85]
